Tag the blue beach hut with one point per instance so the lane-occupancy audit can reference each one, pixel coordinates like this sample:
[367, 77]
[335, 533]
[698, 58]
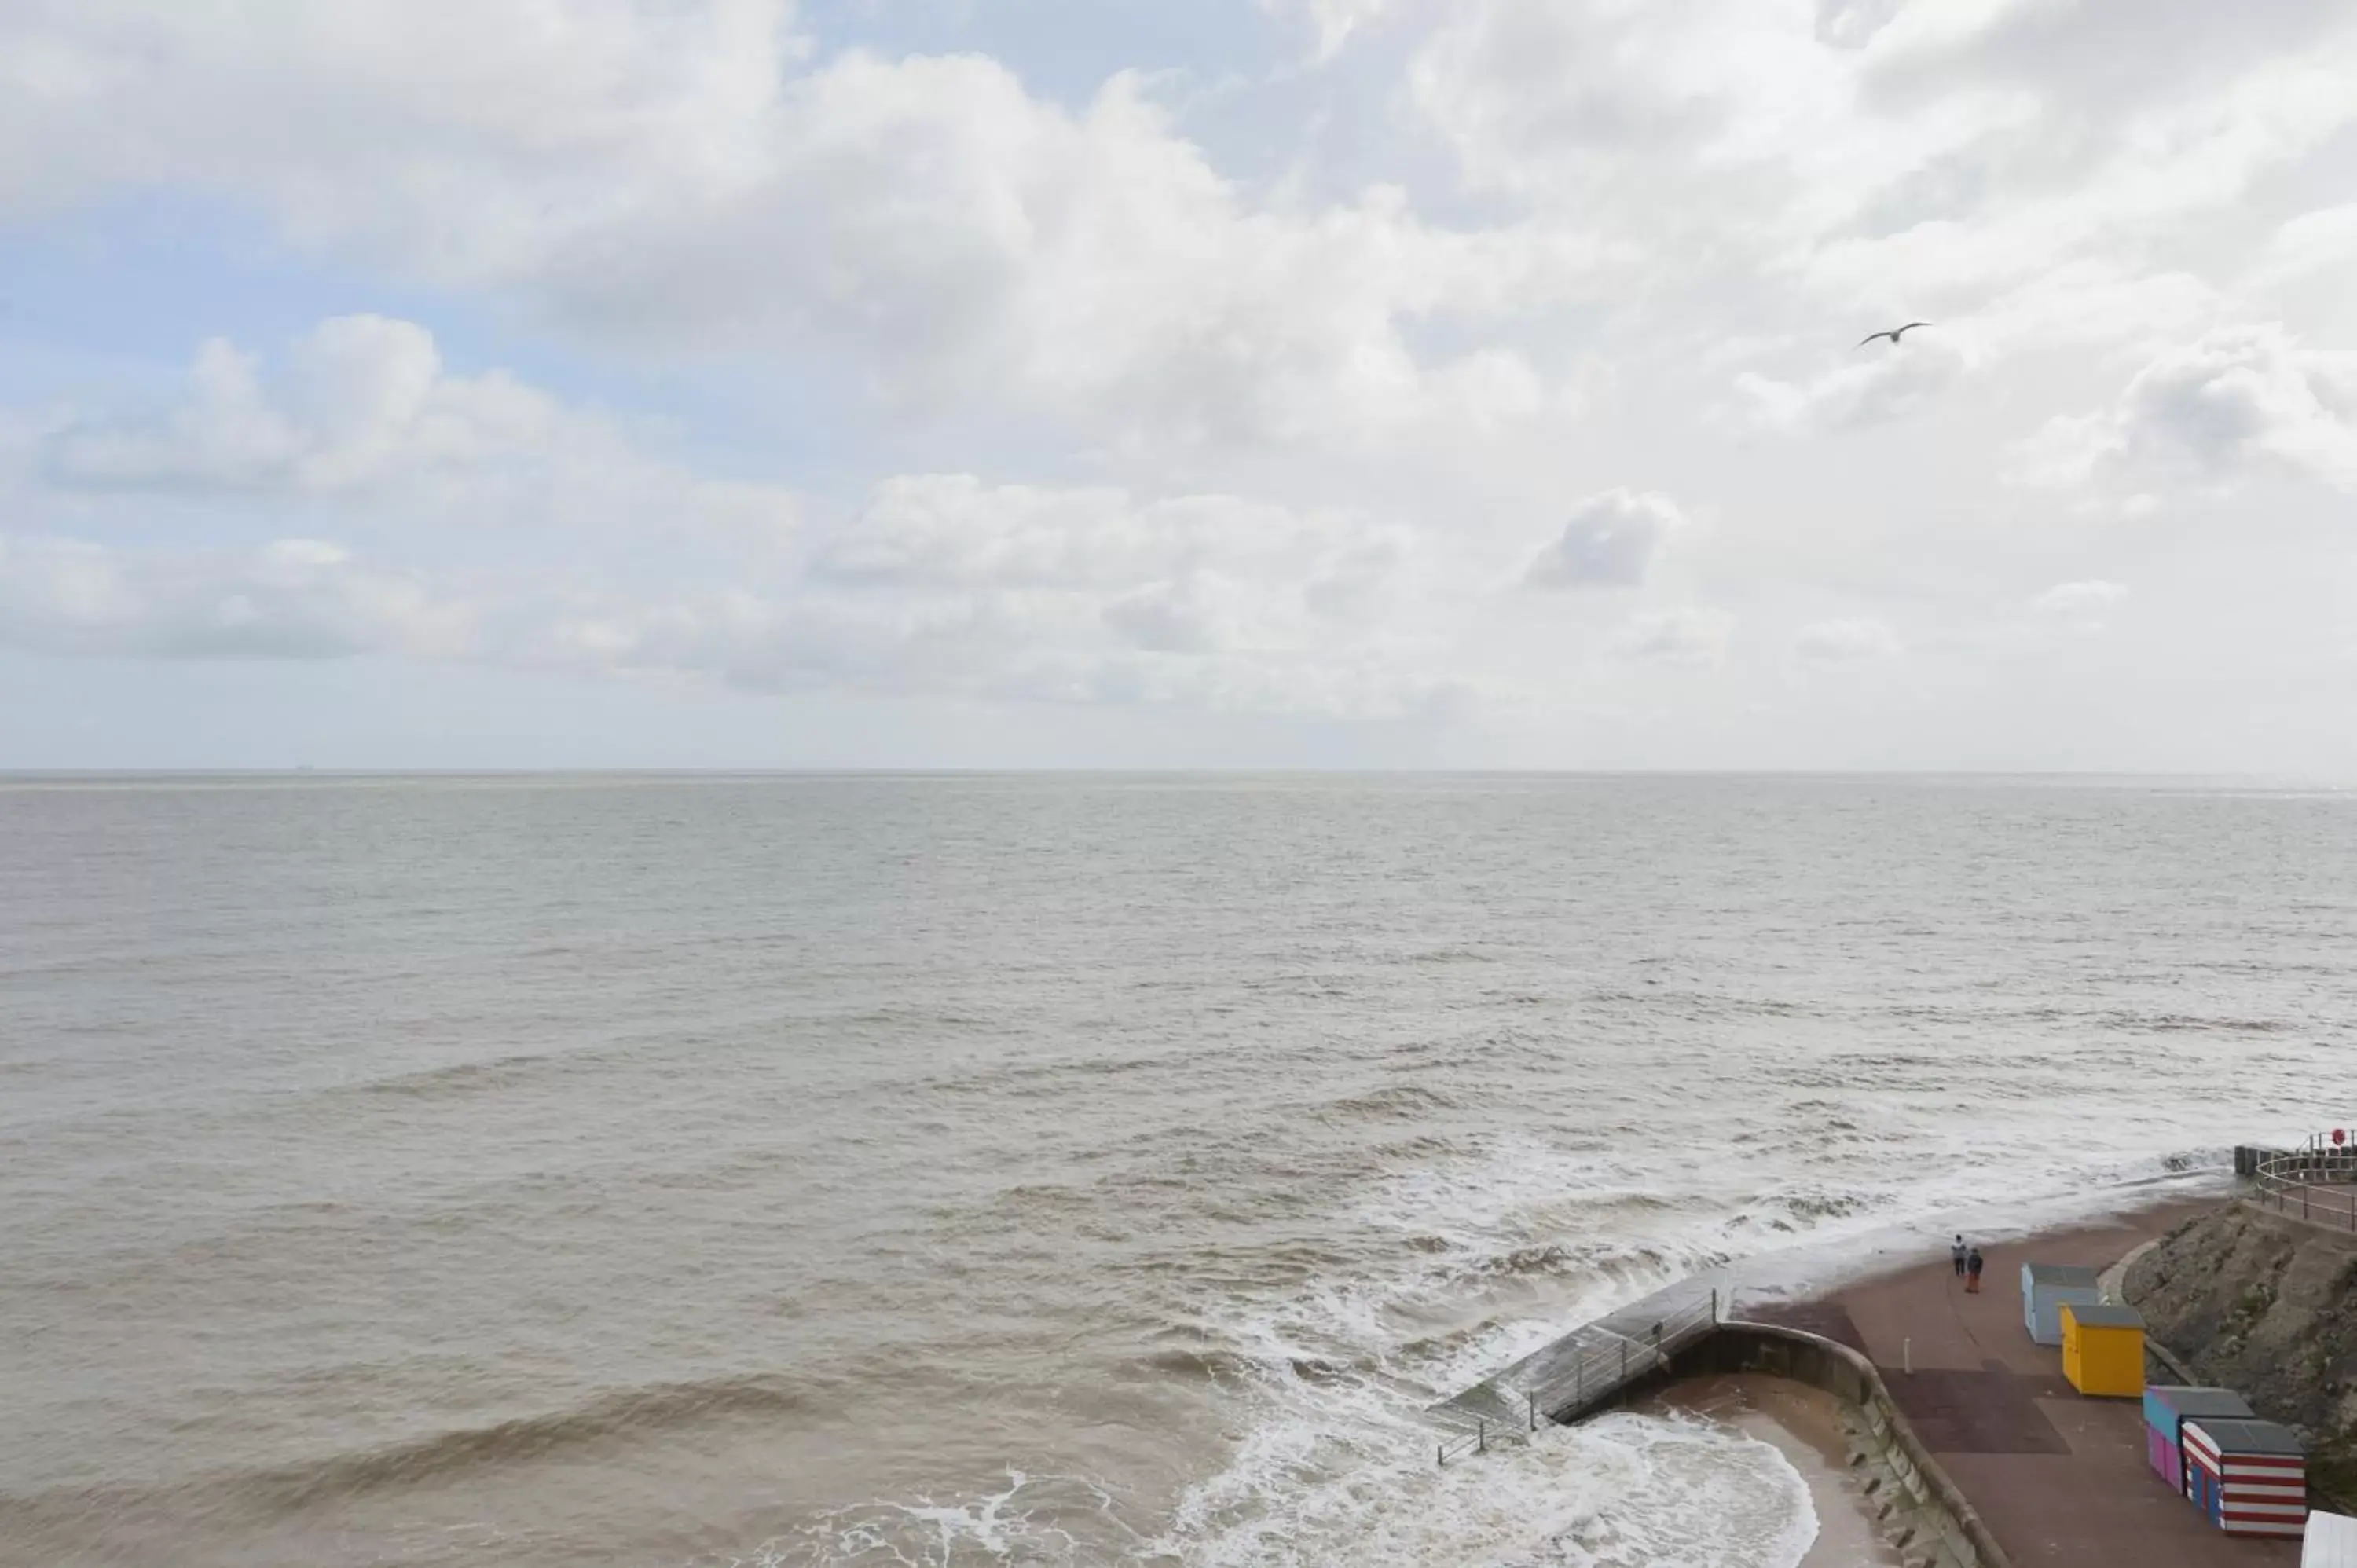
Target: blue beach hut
[2166, 1408]
[2045, 1287]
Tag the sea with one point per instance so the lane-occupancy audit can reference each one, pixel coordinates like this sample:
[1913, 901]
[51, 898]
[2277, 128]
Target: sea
[985, 1171]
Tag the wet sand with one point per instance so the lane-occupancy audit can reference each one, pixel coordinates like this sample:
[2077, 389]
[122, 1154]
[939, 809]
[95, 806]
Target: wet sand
[1802, 1423]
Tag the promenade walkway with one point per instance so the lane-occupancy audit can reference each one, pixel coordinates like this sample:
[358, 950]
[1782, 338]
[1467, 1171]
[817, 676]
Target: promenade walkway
[2331, 1205]
[2058, 1478]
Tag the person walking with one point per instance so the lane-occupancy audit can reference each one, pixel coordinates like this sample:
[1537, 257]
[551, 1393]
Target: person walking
[1972, 1272]
[1956, 1256]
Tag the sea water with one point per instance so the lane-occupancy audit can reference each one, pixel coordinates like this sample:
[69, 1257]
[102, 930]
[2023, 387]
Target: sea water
[1047, 1170]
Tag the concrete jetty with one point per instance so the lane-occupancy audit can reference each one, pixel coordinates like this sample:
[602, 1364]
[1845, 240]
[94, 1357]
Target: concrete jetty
[1589, 1368]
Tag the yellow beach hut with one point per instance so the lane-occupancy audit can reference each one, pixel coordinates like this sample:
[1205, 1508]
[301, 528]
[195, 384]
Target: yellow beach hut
[2103, 1350]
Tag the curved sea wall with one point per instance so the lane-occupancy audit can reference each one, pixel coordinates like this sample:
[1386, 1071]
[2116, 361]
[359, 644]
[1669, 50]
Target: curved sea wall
[1929, 1514]
[2266, 1304]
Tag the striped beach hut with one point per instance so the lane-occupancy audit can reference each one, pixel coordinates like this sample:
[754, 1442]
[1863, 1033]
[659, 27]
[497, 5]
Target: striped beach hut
[2045, 1287]
[2166, 1408]
[2249, 1476]
[2103, 1350]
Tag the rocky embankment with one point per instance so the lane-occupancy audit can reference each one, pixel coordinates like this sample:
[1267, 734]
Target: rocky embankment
[2266, 1306]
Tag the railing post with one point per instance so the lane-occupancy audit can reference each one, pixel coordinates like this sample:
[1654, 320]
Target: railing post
[1441, 1457]
[1482, 1437]
[1535, 1410]
[1714, 1306]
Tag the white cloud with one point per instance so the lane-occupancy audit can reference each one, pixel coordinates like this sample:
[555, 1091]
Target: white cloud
[1195, 613]
[2081, 146]
[1844, 641]
[1292, 357]
[958, 531]
[2082, 608]
[1163, 645]
[2078, 599]
[941, 584]
[2237, 402]
[1940, 161]
[1071, 585]
[1852, 24]
[293, 599]
[675, 174]
[1685, 635]
[1879, 381]
[363, 406]
[362, 399]
[2309, 243]
[1610, 539]
[1333, 21]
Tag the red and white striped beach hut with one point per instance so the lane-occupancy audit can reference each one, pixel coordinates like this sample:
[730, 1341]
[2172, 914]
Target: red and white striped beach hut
[2249, 1476]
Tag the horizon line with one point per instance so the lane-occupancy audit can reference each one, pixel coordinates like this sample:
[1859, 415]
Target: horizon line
[855, 770]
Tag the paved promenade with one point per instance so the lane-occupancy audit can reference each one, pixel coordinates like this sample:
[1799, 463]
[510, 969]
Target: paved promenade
[2058, 1478]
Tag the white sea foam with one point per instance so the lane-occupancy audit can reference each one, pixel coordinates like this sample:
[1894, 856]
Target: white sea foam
[1624, 1490]
[1340, 1469]
[1335, 1461]
[1027, 1523]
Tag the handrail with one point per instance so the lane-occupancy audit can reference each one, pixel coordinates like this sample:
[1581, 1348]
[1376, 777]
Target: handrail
[2294, 1177]
[1599, 1374]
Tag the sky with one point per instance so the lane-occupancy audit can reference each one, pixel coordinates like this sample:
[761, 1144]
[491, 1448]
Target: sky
[1115, 383]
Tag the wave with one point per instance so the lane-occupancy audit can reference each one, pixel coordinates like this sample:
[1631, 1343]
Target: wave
[1211, 1365]
[1616, 1263]
[459, 1079]
[1032, 1521]
[2194, 1024]
[617, 1417]
[1402, 1101]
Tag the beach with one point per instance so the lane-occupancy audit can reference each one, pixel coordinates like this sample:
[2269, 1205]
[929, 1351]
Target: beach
[1804, 1425]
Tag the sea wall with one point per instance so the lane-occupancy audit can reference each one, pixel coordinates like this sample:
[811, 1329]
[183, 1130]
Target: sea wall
[1928, 1515]
[2265, 1304]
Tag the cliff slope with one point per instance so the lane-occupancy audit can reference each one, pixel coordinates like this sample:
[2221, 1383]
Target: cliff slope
[2266, 1306]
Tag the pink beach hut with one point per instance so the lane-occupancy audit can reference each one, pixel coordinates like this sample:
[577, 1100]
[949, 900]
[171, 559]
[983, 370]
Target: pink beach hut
[2167, 1408]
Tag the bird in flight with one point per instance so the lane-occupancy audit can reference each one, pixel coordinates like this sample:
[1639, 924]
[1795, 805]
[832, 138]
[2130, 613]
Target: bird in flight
[1894, 334]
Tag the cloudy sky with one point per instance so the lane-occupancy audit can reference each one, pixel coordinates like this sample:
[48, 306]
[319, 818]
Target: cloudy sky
[1241, 382]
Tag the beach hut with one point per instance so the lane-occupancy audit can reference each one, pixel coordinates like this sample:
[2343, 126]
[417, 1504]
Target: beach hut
[2103, 1350]
[2166, 1408]
[2330, 1541]
[2249, 1476]
[2045, 1287]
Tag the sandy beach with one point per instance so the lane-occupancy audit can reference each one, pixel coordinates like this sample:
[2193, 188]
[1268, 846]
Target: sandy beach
[1804, 1425]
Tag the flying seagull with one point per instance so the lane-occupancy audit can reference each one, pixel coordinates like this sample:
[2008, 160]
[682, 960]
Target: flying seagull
[1894, 334]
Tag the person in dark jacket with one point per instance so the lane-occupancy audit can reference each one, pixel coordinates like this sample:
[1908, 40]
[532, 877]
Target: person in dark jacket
[1972, 1272]
[1956, 1256]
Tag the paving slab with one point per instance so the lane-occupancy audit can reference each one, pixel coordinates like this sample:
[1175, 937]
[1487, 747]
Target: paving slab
[2057, 1477]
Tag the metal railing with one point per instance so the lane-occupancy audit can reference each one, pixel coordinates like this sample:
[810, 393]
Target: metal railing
[2303, 1180]
[1597, 1375]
